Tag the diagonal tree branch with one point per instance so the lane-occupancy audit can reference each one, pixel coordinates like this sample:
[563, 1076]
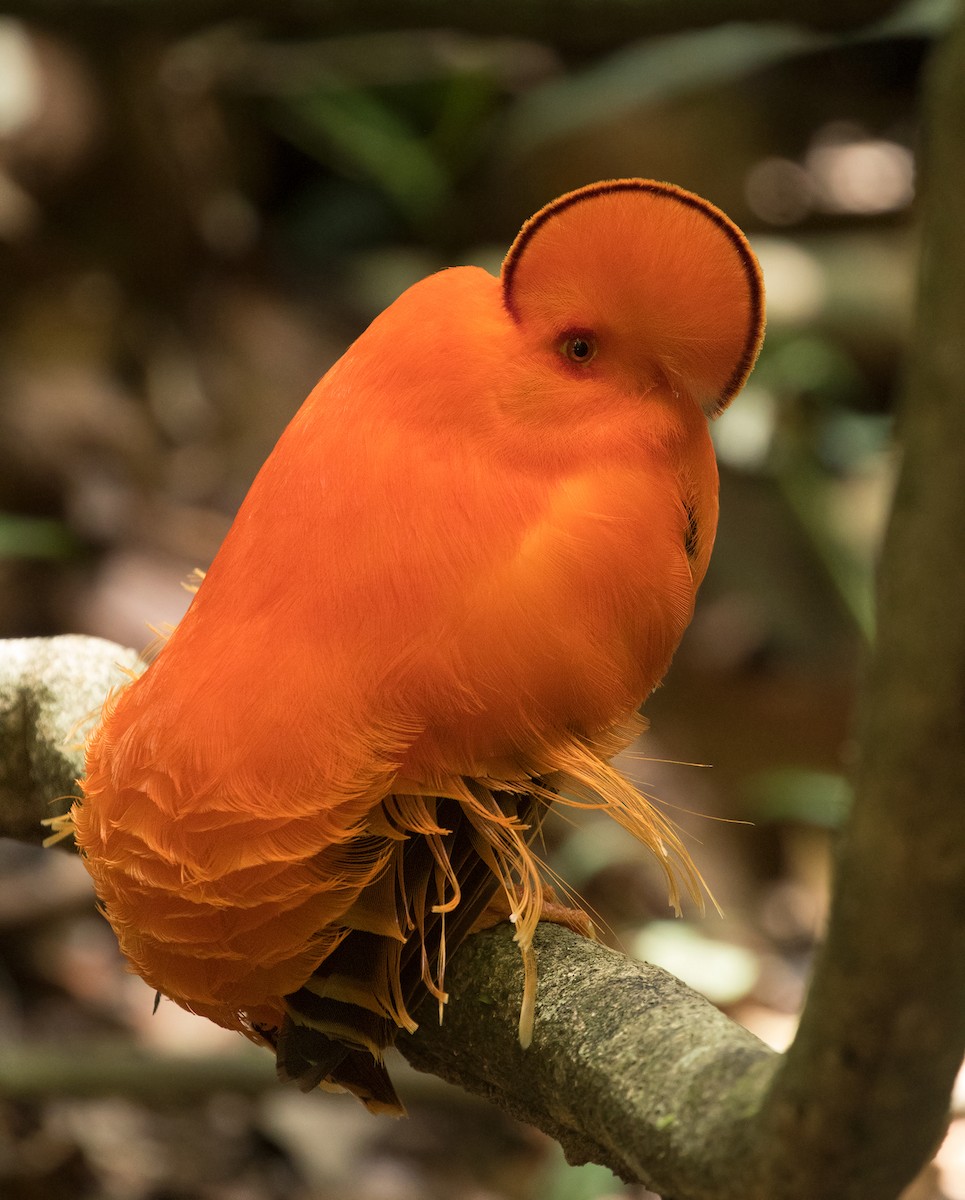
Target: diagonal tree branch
[628, 1066]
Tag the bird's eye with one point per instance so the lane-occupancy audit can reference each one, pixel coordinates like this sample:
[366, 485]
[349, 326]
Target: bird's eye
[579, 348]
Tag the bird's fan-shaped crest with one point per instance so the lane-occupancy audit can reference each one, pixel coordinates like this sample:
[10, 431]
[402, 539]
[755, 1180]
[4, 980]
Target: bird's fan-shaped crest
[661, 253]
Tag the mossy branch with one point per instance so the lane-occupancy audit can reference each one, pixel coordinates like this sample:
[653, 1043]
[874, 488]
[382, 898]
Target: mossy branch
[50, 692]
[628, 1067]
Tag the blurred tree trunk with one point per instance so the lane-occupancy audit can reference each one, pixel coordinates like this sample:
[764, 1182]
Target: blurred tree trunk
[862, 1099]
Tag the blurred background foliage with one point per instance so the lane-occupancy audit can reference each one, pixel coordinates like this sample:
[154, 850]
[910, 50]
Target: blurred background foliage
[197, 214]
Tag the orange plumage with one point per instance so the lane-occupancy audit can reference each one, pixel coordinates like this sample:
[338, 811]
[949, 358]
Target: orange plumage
[464, 566]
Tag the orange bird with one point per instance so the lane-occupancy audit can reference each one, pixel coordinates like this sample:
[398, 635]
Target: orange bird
[464, 566]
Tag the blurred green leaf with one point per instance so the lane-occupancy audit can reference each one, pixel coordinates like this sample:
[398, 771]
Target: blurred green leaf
[817, 446]
[918, 18]
[35, 538]
[461, 118]
[373, 139]
[663, 68]
[804, 486]
[798, 794]
[815, 365]
[649, 73]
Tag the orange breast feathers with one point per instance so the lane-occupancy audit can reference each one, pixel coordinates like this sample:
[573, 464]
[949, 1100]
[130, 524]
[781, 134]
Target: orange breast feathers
[465, 565]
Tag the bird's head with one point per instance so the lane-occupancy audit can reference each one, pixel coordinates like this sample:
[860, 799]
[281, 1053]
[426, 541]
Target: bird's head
[640, 286]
